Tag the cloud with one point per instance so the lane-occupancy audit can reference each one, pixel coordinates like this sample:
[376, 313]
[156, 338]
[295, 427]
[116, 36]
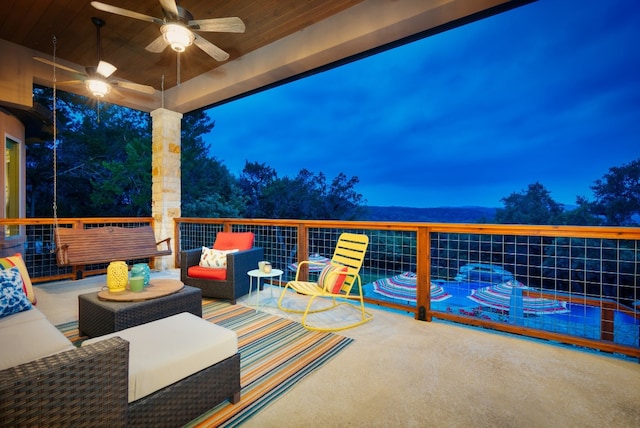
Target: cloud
[466, 117]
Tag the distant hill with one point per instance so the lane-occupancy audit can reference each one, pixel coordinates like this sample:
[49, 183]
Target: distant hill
[429, 215]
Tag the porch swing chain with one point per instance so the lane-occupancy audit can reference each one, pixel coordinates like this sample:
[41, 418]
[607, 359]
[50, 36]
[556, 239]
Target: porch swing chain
[55, 140]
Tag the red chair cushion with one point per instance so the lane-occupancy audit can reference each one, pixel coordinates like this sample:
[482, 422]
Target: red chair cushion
[234, 240]
[207, 273]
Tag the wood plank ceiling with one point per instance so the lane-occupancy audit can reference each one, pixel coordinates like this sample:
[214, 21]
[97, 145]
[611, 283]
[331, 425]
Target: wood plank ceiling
[270, 25]
[33, 23]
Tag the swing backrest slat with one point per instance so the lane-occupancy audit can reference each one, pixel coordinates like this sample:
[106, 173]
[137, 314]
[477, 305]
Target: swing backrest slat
[75, 246]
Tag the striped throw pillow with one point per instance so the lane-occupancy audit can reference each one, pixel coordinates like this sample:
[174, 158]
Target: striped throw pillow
[332, 278]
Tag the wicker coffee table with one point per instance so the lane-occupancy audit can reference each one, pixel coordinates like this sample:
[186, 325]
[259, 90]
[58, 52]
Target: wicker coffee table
[97, 317]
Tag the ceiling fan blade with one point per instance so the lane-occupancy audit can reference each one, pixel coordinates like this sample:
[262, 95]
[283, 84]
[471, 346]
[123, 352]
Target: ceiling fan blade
[106, 69]
[222, 25]
[71, 82]
[171, 7]
[212, 50]
[145, 89]
[114, 96]
[158, 45]
[60, 66]
[125, 12]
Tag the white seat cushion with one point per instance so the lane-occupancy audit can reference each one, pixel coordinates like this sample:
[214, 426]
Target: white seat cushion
[27, 336]
[165, 351]
[21, 317]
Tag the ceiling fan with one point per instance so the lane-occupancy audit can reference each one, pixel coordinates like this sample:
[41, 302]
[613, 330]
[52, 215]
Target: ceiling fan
[96, 79]
[179, 28]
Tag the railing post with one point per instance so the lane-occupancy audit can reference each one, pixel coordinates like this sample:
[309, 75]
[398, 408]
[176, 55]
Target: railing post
[423, 275]
[177, 244]
[78, 271]
[303, 250]
[606, 323]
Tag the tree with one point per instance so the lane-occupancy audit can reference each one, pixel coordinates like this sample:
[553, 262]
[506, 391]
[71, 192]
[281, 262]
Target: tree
[253, 181]
[90, 145]
[124, 189]
[208, 188]
[103, 168]
[535, 206]
[104, 164]
[39, 175]
[95, 175]
[307, 196]
[342, 201]
[617, 194]
[582, 215]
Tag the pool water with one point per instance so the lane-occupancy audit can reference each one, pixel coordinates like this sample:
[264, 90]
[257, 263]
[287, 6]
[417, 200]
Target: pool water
[581, 320]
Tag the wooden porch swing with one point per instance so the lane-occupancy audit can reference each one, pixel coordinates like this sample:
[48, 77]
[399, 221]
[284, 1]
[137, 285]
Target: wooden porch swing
[76, 246]
[79, 246]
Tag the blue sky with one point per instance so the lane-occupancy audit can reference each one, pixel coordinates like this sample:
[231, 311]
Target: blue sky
[549, 92]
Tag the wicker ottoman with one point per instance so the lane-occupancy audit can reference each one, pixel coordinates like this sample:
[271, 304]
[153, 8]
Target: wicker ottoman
[179, 367]
[99, 317]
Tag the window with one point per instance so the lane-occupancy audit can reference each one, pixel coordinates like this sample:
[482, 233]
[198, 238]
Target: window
[12, 185]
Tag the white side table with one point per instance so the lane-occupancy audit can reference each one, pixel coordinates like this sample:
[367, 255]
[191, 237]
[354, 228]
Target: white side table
[257, 274]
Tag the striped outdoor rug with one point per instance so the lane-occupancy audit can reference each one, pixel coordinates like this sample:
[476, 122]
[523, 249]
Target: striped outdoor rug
[275, 353]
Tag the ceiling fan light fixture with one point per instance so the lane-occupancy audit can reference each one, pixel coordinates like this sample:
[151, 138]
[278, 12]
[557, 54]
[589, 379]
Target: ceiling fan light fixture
[178, 36]
[99, 88]
[105, 69]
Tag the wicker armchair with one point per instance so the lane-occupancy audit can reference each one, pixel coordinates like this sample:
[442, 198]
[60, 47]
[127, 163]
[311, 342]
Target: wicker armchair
[237, 282]
[83, 387]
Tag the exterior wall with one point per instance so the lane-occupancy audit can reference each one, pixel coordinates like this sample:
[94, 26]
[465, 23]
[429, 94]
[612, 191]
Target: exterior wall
[12, 128]
[16, 75]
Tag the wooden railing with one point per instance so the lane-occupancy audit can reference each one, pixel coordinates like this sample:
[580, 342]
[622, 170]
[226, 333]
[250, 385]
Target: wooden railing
[37, 236]
[558, 262]
[427, 249]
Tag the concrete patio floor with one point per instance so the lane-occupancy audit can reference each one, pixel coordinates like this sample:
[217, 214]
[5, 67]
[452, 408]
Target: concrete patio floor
[406, 373]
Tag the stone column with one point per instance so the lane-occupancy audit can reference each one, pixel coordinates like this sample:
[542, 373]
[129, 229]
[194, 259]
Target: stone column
[165, 177]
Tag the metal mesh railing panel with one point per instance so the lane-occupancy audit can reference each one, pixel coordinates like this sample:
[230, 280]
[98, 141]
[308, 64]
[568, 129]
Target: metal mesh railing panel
[585, 287]
[279, 244]
[389, 253]
[39, 254]
[197, 235]
[593, 282]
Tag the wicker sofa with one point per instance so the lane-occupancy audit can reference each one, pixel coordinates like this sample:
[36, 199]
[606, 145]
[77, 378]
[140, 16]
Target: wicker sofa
[88, 386]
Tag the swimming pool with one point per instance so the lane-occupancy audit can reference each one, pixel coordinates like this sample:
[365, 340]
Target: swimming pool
[581, 320]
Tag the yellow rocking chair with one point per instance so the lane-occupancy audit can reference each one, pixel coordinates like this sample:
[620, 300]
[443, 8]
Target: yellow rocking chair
[336, 282]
